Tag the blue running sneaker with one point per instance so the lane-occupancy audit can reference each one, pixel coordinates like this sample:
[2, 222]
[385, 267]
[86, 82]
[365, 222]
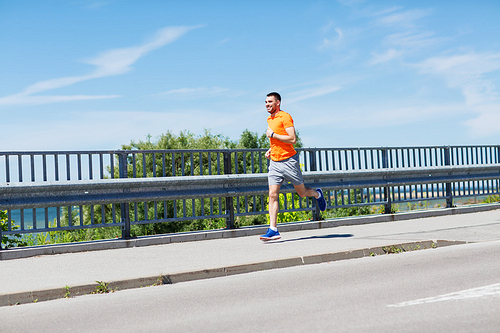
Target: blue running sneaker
[270, 235]
[321, 200]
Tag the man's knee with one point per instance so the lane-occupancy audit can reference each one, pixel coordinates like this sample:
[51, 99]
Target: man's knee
[273, 196]
[274, 192]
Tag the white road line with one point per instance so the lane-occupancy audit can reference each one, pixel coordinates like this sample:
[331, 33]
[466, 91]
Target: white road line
[492, 290]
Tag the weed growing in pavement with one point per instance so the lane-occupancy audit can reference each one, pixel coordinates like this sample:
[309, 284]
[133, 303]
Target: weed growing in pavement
[393, 249]
[158, 282]
[67, 293]
[102, 288]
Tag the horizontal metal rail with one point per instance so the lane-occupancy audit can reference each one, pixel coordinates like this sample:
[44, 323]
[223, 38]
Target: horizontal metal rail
[130, 190]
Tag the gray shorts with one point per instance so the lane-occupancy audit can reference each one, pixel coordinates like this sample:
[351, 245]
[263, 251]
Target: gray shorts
[288, 169]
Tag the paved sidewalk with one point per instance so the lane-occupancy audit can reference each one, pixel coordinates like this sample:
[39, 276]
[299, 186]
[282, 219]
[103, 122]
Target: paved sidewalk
[47, 277]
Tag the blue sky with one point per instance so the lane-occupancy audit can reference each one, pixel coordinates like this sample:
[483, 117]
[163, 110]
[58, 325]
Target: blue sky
[85, 74]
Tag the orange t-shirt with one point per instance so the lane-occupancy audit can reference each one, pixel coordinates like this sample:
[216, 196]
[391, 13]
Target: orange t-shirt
[280, 150]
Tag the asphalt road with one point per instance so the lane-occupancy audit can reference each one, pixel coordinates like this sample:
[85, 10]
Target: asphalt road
[450, 289]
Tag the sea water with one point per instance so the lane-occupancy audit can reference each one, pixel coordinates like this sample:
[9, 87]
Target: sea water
[15, 216]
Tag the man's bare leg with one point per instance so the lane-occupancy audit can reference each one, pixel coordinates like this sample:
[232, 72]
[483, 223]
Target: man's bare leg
[306, 191]
[274, 205]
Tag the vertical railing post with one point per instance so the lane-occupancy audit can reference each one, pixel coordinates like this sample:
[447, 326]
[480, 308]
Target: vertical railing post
[387, 193]
[316, 213]
[1, 248]
[7, 179]
[124, 207]
[229, 200]
[497, 160]
[449, 193]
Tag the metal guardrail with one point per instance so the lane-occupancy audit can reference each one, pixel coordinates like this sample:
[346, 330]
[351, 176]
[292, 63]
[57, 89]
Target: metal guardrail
[92, 192]
[122, 188]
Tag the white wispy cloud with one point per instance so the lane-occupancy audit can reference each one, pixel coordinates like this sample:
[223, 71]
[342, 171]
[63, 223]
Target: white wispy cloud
[467, 72]
[469, 64]
[327, 42]
[326, 28]
[38, 100]
[486, 123]
[409, 36]
[385, 11]
[404, 18]
[224, 41]
[413, 39]
[472, 74]
[109, 63]
[195, 92]
[311, 93]
[387, 56]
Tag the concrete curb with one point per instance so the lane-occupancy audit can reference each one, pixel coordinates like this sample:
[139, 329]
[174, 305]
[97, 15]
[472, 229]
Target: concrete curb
[25, 252]
[72, 291]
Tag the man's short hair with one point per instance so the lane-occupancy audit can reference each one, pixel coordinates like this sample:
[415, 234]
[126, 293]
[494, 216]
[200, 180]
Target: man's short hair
[275, 95]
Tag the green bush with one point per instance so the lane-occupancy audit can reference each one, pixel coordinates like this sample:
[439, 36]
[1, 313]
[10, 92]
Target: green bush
[10, 240]
[284, 217]
[492, 199]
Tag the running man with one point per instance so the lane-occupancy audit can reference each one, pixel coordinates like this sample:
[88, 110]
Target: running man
[284, 163]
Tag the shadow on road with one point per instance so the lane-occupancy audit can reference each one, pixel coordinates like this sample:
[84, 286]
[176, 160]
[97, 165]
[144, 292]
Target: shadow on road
[311, 237]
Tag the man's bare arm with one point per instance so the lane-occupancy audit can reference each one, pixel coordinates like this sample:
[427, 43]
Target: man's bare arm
[290, 136]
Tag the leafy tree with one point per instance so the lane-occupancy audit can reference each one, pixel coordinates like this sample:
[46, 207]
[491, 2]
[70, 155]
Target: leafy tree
[13, 240]
[185, 140]
[251, 140]
[150, 165]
